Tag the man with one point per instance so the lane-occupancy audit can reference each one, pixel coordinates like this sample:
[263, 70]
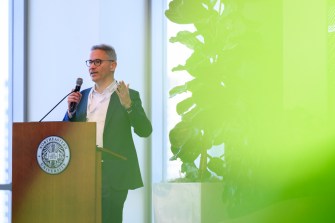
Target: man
[116, 109]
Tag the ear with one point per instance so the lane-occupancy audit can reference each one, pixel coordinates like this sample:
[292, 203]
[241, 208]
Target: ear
[113, 66]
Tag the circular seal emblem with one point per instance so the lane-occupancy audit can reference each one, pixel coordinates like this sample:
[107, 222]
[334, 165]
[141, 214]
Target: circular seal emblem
[53, 155]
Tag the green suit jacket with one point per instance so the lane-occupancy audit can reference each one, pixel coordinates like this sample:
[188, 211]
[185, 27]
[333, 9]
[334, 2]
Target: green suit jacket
[117, 137]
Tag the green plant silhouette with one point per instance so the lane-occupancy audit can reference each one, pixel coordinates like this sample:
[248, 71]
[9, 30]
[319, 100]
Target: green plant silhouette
[227, 106]
[211, 116]
[246, 79]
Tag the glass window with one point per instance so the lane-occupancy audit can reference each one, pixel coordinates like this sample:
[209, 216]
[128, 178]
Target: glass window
[5, 178]
[5, 204]
[4, 68]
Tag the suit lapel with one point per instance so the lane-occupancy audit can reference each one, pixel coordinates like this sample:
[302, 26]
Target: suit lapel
[82, 110]
[113, 104]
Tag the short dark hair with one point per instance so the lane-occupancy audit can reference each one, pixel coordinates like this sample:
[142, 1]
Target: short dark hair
[108, 49]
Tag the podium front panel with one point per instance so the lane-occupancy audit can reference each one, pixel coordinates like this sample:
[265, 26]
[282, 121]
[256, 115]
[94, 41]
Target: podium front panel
[45, 192]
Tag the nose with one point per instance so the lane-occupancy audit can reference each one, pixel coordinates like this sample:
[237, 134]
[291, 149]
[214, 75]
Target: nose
[92, 67]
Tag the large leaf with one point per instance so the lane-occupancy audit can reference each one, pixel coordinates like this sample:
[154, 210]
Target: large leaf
[185, 105]
[186, 141]
[187, 38]
[181, 133]
[217, 165]
[178, 90]
[192, 114]
[175, 151]
[197, 64]
[190, 151]
[186, 11]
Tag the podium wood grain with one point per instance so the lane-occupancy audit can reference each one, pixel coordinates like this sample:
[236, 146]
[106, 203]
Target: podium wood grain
[70, 196]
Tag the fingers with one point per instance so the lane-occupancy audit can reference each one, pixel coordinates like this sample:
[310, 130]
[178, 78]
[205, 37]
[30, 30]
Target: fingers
[122, 88]
[74, 97]
[123, 85]
[123, 93]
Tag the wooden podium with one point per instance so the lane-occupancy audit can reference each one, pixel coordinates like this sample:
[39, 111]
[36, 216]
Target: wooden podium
[56, 173]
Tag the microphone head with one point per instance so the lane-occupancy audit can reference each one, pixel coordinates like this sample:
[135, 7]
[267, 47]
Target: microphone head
[79, 81]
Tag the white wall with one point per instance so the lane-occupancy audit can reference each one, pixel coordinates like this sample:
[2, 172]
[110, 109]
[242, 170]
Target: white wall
[60, 34]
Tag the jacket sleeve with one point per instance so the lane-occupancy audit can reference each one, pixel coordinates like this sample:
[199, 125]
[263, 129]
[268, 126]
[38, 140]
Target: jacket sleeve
[138, 119]
[66, 117]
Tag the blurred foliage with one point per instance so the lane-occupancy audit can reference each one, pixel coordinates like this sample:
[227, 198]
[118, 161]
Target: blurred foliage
[211, 114]
[259, 87]
[223, 89]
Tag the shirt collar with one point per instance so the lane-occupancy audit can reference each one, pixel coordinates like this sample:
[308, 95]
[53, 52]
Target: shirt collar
[110, 89]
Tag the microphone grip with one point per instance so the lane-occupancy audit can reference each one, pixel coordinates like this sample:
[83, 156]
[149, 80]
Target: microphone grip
[73, 105]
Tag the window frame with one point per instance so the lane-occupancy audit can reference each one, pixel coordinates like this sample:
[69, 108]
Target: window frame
[17, 37]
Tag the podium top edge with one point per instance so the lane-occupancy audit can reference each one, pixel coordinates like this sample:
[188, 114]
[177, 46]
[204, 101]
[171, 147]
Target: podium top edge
[54, 122]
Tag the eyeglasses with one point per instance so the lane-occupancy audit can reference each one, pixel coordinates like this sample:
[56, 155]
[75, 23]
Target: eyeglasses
[96, 62]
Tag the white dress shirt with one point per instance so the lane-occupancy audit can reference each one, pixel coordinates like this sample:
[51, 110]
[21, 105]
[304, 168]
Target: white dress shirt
[97, 109]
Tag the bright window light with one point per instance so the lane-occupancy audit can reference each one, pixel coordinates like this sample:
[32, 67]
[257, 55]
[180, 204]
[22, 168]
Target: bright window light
[4, 42]
[5, 195]
[5, 204]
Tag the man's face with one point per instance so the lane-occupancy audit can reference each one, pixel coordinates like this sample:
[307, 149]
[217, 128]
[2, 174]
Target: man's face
[103, 72]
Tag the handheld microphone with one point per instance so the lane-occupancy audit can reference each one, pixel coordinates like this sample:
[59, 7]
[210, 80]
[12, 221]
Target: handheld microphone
[78, 85]
[73, 105]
